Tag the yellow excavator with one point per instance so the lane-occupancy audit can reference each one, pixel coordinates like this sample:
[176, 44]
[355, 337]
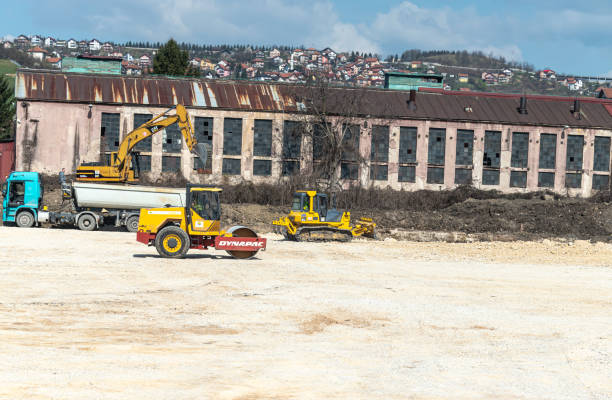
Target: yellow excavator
[121, 168]
[313, 218]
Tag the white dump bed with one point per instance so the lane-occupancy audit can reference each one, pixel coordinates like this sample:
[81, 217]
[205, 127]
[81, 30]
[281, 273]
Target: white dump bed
[125, 197]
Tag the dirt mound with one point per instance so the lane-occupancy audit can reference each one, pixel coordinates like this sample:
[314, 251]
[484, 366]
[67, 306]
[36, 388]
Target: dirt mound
[465, 209]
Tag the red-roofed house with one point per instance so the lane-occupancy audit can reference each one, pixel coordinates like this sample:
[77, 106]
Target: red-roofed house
[144, 60]
[258, 63]
[37, 53]
[604, 92]
[55, 62]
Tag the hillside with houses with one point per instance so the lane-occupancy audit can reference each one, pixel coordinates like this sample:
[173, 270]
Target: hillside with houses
[458, 70]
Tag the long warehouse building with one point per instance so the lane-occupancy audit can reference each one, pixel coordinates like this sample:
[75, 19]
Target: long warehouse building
[430, 139]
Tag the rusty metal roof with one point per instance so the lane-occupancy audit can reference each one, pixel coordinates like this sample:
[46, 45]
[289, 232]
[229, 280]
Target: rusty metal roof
[431, 104]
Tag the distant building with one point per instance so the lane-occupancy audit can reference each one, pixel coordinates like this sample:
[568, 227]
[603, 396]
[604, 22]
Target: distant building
[144, 61]
[94, 45]
[37, 53]
[463, 78]
[107, 47]
[92, 64]
[22, 41]
[428, 139]
[36, 41]
[72, 44]
[604, 93]
[275, 53]
[49, 41]
[55, 62]
[412, 81]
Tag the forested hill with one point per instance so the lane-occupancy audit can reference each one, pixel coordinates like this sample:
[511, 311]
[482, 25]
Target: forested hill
[463, 58]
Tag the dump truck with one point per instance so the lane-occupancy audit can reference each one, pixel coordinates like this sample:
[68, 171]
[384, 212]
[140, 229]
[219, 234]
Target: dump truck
[313, 217]
[91, 204]
[175, 230]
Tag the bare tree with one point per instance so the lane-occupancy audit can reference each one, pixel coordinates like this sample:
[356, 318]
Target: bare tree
[330, 117]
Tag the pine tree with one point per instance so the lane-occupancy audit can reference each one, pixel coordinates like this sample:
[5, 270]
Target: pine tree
[7, 108]
[170, 59]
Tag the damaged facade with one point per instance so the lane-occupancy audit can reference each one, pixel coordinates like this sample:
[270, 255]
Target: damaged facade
[430, 139]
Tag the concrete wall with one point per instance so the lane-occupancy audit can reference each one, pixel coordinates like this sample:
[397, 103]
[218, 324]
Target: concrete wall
[52, 135]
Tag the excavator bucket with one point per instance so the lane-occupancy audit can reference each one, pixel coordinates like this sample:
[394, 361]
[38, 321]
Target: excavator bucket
[201, 151]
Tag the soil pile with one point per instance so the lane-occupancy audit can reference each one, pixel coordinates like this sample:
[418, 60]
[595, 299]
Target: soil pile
[465, 209]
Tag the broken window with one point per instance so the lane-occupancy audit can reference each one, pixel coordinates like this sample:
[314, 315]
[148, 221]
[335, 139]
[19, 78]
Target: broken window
[232, 136]
[406, 173]
[350, 142]
[492, 150]
[380, 143]
[171, 164]
[231, 166]
[463, 176]
[292, 139]
[109, 131]
[601, 157]
[548, 151]
[490, 177]
[575, 144]
[378, 172]
[262, 167]
[145, 144]
[172, 139]
[573, 181]
[408, 145]
[349, 171]
[465, 145]
[262, 138]
[518, 179]
[520, 150]
[436, 148]
[319, 141]
[290, 168]
[546, 179]
[203, 129]
[435, 175]
[600, 182]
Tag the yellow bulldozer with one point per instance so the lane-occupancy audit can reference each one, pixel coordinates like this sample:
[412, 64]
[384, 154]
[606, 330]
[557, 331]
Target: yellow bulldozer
[175, 230]
[313, 218]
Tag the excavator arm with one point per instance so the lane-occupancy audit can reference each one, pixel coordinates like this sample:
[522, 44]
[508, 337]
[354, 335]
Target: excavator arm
[119, 170]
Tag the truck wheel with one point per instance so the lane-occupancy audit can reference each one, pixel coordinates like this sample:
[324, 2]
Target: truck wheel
[132, 223]
[24, 219]
[172, 242]
[87, 222]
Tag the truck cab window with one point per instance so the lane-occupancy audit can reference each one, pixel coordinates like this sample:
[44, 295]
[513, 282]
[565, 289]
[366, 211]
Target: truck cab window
[17, 192]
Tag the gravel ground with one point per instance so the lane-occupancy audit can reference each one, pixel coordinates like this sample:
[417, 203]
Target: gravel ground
[97, 315]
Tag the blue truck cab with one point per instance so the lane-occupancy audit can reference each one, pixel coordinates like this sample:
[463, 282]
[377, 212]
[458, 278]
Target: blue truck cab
[22, 197]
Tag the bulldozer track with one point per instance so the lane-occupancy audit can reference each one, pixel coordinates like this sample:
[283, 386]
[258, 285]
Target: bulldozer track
[322, 234]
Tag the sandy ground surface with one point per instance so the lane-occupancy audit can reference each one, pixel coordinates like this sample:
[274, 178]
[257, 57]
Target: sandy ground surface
[96, 315]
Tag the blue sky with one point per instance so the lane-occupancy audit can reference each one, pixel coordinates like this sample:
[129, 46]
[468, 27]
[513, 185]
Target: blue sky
[569, 36]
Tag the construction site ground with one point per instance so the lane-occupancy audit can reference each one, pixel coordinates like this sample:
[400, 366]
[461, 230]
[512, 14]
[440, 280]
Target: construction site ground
[97, 315]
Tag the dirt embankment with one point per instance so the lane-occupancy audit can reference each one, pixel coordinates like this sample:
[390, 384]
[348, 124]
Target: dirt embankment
[484, 215]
